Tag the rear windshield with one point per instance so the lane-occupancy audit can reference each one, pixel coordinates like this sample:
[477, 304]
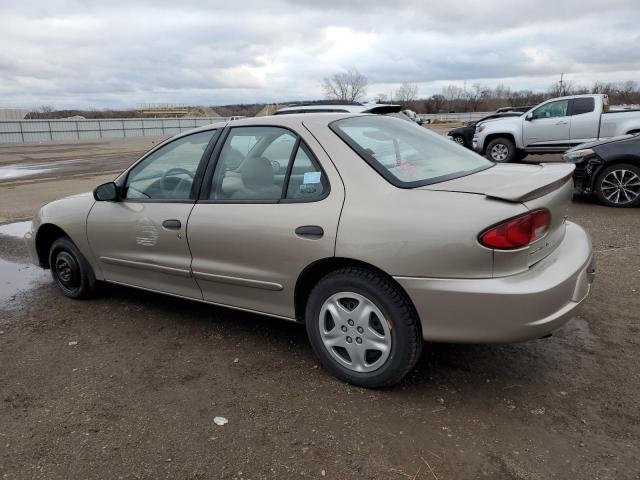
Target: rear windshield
[406, 154]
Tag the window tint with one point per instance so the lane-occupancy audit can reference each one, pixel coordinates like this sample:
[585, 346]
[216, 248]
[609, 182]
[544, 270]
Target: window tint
[307, 180]
[552, 109]
[582, 105]
[168, 173]
[405, 154]
[253, 164]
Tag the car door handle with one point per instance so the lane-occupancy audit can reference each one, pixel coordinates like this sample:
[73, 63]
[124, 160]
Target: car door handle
[313, 231]
[562, 122]
[172, 224]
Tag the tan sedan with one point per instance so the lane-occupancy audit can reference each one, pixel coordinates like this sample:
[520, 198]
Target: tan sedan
[374, 232]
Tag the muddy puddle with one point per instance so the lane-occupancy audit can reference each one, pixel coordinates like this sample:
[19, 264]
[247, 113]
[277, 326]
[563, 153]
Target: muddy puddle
[15, 230]
[17, 276]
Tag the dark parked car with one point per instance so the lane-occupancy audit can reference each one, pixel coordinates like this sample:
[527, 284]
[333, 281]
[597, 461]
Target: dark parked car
[464, 135]
[610, 168]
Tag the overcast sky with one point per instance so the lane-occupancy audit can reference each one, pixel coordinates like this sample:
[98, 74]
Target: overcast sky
[118, 53]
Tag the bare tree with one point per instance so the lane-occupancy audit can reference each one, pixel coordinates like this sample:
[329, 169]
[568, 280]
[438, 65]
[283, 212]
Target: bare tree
[381, 98]
[408, 92]
[562, 87]
[349, 86]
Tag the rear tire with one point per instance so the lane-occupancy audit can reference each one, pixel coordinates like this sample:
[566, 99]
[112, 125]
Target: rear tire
[619, 186]
[70, 270]
[355, 308]
[501, 150]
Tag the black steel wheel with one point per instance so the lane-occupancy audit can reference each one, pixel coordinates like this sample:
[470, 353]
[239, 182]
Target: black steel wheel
[70, 270]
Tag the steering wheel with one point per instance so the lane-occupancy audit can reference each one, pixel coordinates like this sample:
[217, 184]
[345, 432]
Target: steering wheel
[170, 173]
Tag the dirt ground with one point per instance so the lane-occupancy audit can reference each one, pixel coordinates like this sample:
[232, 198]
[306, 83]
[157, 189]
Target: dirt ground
[127, 385]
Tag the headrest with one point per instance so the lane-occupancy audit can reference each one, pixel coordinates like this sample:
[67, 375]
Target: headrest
[257, 172]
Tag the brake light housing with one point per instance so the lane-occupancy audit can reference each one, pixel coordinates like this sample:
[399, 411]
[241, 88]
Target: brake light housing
[517, 232]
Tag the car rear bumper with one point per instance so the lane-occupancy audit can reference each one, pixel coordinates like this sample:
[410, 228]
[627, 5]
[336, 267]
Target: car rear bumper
[514, 308]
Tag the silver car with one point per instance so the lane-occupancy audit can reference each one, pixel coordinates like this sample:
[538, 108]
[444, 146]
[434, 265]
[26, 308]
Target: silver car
[375, 233]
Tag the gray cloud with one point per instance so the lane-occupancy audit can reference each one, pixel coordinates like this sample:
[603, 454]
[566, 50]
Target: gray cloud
[120, 53]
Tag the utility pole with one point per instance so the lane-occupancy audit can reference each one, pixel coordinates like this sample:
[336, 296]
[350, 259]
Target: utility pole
[561, 84]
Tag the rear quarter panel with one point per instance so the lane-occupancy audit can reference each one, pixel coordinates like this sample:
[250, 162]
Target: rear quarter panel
[410, 232]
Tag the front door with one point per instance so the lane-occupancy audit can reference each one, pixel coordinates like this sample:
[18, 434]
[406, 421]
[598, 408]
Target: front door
[141, 239]
[270, 209]
[549, 125]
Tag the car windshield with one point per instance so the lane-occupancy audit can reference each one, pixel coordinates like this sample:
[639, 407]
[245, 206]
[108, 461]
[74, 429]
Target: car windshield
[406, 154]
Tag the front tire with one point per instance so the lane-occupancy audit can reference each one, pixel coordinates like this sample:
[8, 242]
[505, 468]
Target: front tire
[619, 186]
[363, 328]
[70, 270]
[501, 150]
[459, 139]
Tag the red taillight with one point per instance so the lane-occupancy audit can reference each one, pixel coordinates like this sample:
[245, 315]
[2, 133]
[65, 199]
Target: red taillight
[517, 232]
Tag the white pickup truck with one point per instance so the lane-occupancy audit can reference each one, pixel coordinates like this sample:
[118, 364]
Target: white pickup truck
[553, 126]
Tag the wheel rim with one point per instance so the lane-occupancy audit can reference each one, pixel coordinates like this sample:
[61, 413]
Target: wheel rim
[67, 271]
[620, 186]
[355, 332]
[499, 152]
[459, 140]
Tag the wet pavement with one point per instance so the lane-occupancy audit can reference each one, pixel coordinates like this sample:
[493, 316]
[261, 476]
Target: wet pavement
[63, 168]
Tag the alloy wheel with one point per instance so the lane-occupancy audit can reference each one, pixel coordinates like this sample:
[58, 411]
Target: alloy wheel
[355, 332]
[620, 186]
[499, 152]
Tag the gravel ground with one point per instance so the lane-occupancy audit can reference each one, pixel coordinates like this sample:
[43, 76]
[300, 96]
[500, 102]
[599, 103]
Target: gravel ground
[127, 385]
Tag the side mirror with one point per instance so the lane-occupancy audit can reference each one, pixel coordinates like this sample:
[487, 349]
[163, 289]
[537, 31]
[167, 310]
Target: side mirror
[107, 192]
[529, 117]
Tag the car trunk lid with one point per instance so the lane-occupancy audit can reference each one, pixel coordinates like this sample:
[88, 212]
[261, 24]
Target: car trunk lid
[534, 186]
[511, 182]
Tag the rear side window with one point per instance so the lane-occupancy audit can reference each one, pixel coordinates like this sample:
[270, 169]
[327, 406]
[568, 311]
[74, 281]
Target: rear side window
[253, 164]
[306, 181]
[266, 164]
[582, 105]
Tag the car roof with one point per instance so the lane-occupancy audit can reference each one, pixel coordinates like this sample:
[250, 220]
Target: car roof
[290, 121]
[345, 108]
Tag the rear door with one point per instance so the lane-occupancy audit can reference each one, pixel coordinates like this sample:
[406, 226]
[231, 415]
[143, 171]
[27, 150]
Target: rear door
[140, 240]
[264, 214]
[549, 126]
[585, 120]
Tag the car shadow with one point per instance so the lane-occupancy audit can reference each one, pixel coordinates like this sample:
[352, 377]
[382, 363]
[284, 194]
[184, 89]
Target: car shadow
[460, 365]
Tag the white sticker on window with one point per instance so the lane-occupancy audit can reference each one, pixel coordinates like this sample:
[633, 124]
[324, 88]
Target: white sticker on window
[312, 177]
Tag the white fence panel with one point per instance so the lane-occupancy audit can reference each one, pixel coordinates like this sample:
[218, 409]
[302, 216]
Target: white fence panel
[27, 131]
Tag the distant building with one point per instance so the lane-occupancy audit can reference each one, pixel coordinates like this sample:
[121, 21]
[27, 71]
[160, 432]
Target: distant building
[13, 113]
[159, 110]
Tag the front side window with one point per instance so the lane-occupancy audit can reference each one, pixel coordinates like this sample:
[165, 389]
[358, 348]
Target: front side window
[405, 154]
[168, 173]
[552, 109]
